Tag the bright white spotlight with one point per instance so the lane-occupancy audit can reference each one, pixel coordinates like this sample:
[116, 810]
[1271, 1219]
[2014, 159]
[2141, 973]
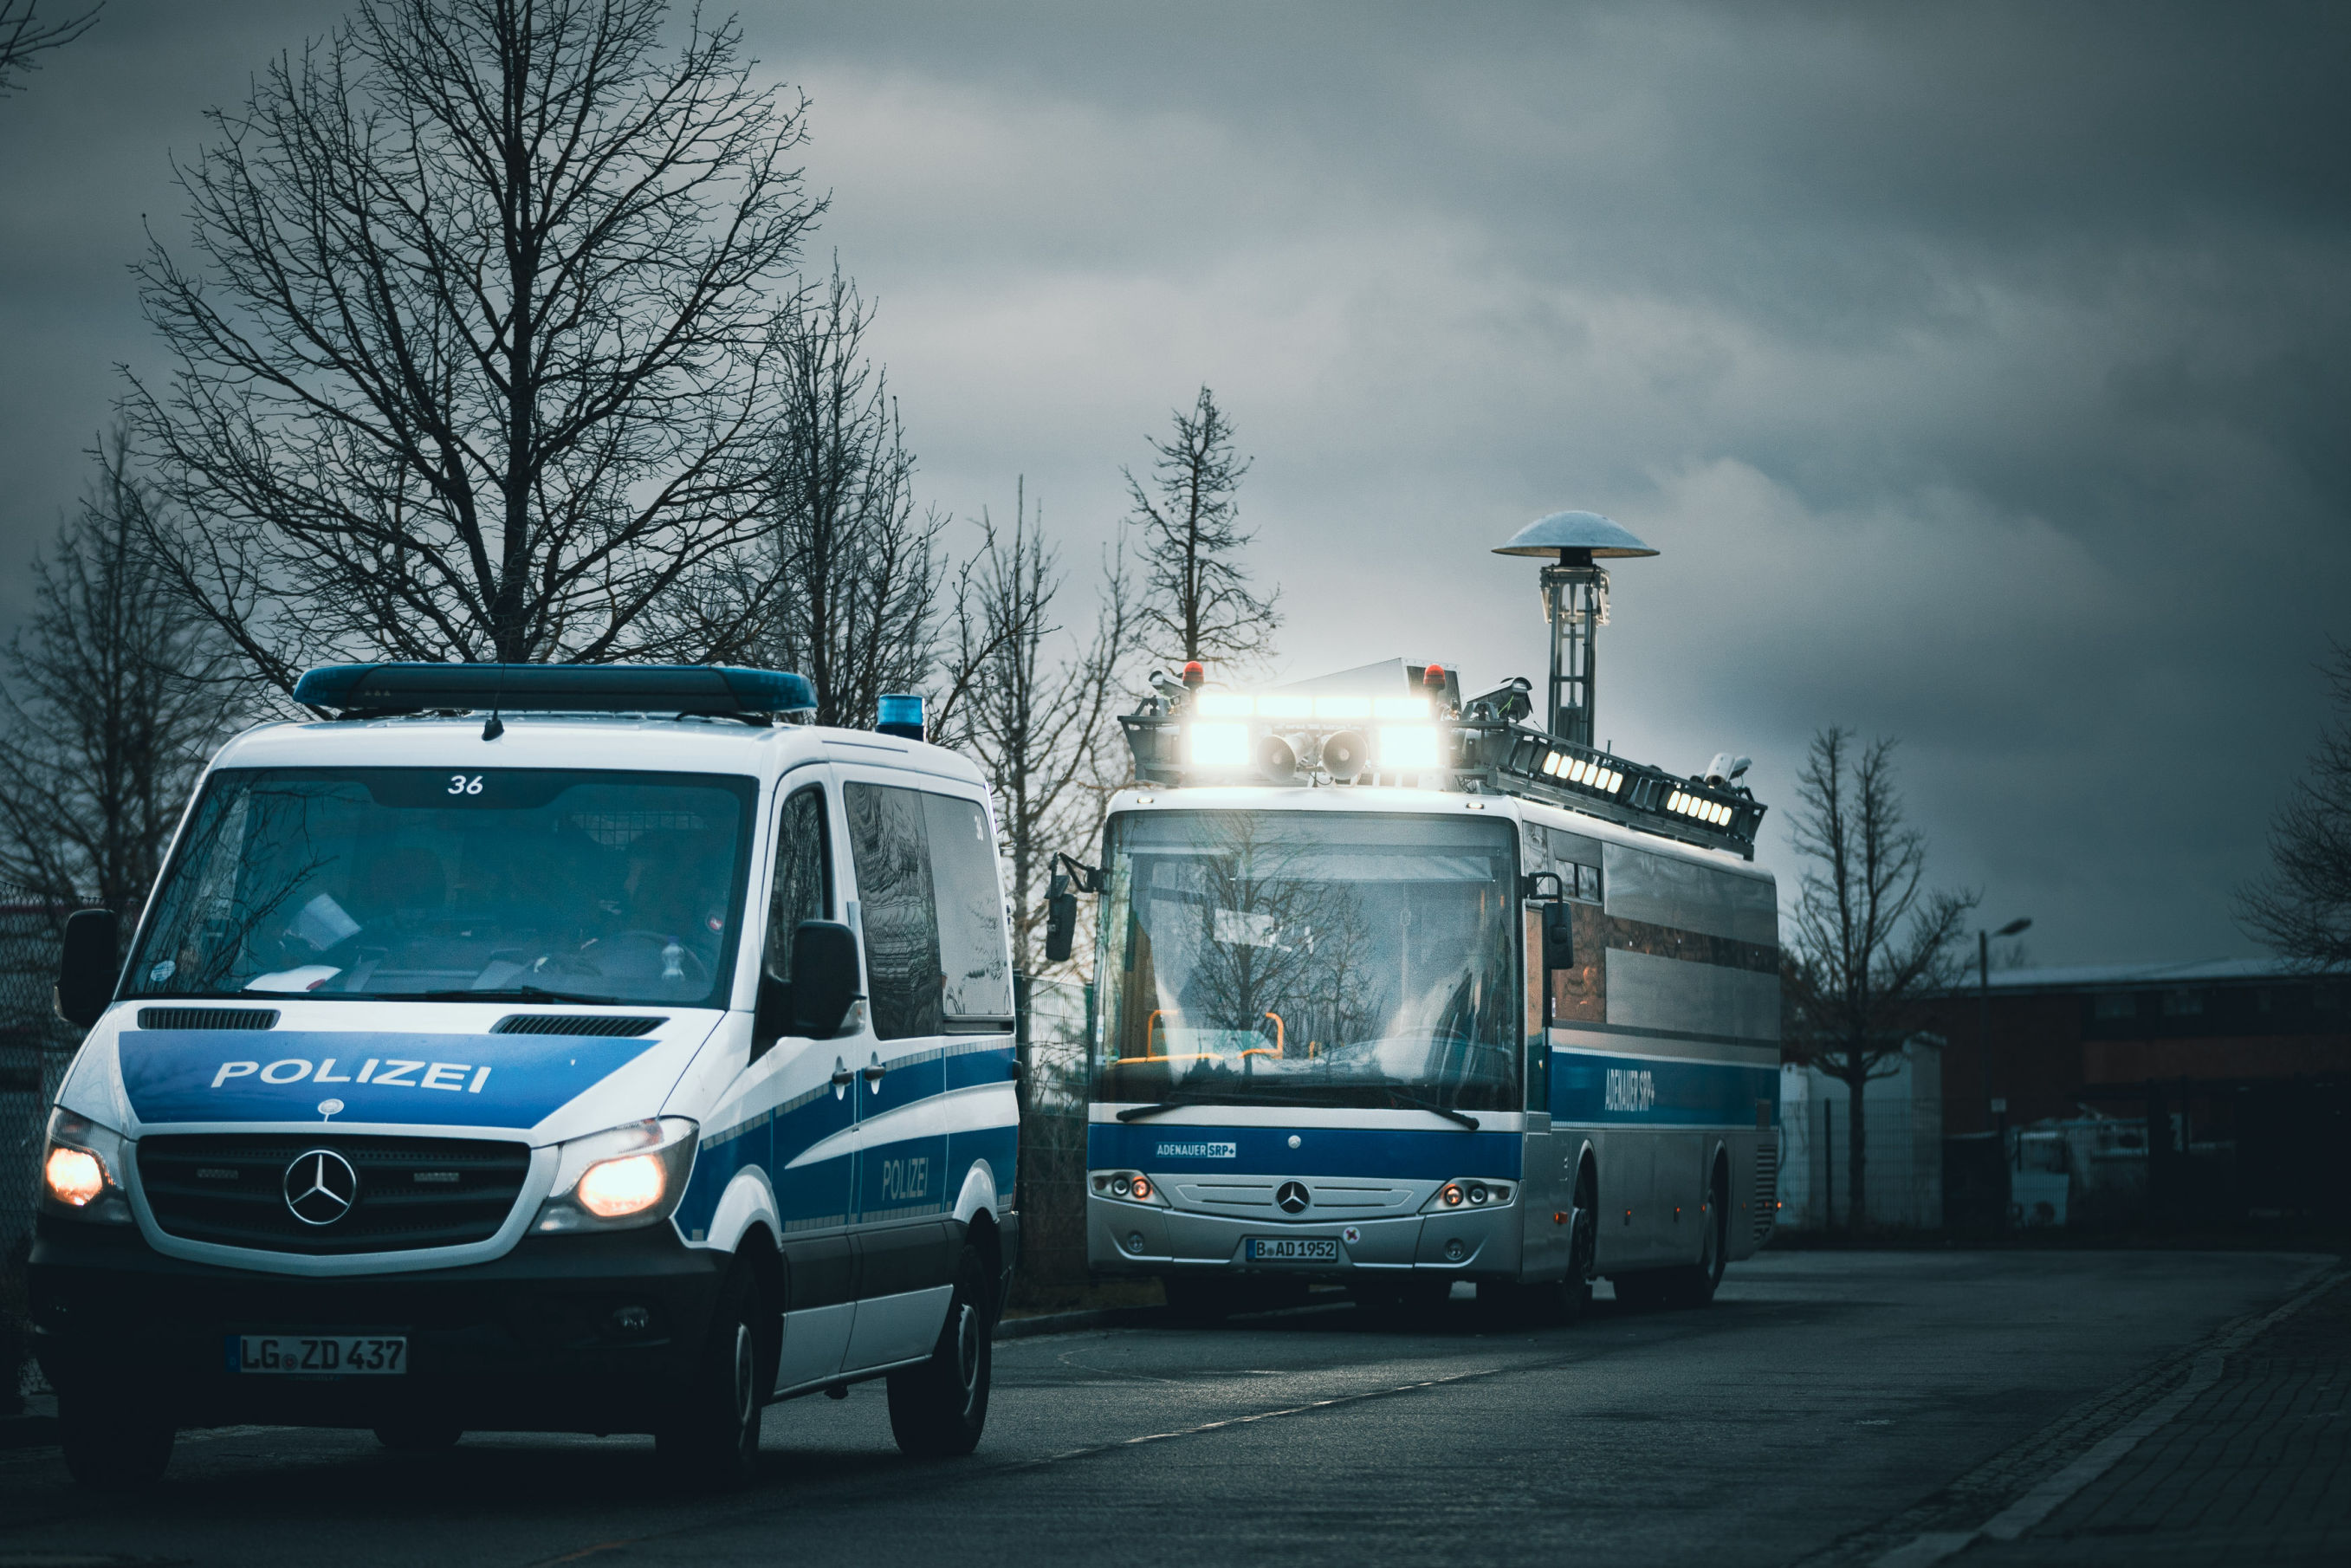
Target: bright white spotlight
[1219, 744]
[1407, 748]
[1224, 704]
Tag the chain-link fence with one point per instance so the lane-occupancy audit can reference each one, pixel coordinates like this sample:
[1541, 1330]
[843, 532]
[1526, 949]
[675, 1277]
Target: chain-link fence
[1052, 1195]
[34, 1050]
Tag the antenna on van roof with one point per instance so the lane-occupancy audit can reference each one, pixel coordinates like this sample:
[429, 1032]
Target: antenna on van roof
[1575, 603]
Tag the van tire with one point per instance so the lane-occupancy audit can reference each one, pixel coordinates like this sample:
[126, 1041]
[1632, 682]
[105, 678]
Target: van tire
[114, 1442]
[711, 1439]
[937, 1410]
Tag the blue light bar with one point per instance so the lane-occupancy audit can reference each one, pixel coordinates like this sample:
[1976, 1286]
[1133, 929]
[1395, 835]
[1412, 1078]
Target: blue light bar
[902, 715]
[715, 689]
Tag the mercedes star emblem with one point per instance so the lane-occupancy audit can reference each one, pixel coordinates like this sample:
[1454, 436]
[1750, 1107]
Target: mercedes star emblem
[320, 1186]
[1293, 1197]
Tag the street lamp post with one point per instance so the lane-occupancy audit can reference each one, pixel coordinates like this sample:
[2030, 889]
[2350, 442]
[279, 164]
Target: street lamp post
[1995, 1111]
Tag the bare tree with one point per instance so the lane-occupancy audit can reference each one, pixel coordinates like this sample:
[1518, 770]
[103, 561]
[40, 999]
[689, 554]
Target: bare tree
[1196, 594]
[848, 592]
[1872, 945]
[24, 36]
[477, 360]
[112, 697]
[1033, 711]
[2303, 909]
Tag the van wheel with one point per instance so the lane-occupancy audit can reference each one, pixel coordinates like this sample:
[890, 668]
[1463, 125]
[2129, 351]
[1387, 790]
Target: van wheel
[419, 1435]
[112, 1442]
[939, 1409]
[712, 1437]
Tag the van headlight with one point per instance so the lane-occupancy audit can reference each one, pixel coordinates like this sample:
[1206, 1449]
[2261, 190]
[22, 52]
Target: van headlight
[621, 1177]
[82, 1168]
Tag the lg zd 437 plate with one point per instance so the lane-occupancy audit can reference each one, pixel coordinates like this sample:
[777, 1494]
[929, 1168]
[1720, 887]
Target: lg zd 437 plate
[1291, 1250]
[318, 1355]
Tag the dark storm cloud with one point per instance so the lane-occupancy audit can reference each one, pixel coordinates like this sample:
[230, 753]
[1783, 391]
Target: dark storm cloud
[1980, 370]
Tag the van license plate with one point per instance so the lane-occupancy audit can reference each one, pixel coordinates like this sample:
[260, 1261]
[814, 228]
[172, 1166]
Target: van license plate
[1291, 1250]
[315, 1355]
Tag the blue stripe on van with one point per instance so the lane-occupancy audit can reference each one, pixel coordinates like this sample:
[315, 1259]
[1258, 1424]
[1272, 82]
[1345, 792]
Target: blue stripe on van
[1589, 1087]
[1430, 1155]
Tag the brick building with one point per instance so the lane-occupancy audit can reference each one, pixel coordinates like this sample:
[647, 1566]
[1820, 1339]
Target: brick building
[2247, 1062]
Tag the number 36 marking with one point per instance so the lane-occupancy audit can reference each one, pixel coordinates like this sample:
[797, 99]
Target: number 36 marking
[461, 785]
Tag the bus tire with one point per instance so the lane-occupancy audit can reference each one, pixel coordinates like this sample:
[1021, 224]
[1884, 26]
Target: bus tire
[711, 1439]
[1693, 1284]
[112, 1441]
[937, 1410]
[1583, 1243]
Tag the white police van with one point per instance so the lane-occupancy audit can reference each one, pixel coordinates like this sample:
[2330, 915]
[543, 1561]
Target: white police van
[543, 1048]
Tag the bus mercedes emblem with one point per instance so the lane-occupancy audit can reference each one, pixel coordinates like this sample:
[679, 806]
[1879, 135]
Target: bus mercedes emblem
[1293, 1197]
[320, 1186]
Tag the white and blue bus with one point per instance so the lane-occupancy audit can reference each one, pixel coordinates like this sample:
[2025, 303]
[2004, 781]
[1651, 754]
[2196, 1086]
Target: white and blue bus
[1497, 1008]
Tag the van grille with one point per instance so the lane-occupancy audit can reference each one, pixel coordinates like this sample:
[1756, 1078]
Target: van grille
[230, 1189]
[577, 1027]
[207, 1017]
[1767, 1188]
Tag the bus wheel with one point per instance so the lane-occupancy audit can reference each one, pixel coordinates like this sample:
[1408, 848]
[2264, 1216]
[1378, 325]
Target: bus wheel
[1692, 1285]
[112, 1443]
[712, 1438]
[1582, 1239]
[939, 1409]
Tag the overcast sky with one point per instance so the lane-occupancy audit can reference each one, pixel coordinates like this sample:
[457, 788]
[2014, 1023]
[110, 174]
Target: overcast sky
[1980, 371]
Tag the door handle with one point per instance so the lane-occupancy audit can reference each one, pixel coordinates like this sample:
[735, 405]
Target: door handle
[840, 1075]
[874, 1073]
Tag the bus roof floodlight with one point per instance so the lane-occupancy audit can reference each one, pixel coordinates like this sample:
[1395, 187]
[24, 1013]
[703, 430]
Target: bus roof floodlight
[1575, 603]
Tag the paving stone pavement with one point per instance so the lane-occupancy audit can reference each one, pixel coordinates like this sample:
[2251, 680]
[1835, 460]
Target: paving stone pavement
[2256, 1469]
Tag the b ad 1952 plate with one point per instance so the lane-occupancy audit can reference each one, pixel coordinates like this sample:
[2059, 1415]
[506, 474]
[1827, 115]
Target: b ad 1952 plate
[318, 1355]
[1291, 1250]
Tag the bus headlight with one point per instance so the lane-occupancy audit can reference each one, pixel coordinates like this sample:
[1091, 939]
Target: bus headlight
[81, 1170]
[1466, 1192]
[1127, 1187]
[625, 1176]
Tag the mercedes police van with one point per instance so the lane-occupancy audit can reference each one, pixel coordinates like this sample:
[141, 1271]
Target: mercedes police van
[561, 1048]
[1396, 992]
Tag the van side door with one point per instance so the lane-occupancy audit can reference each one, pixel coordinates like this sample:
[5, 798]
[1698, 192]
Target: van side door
[938, 975]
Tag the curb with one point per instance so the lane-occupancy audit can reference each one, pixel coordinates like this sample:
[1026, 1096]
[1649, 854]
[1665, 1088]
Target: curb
[1069, 1323]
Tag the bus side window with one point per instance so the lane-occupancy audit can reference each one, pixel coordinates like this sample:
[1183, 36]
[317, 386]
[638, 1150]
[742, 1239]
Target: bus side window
[803, 888]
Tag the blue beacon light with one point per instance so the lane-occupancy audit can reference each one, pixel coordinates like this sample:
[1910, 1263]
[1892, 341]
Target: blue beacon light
[902, 715]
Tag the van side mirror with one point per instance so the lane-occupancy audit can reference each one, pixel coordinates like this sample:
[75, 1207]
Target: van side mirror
[88, 967]
[824, 978]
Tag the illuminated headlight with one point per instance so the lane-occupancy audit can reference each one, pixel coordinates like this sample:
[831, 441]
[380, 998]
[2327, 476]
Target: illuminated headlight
[1407, 748]
[1218, 744]
[625, 1176]
[1468, 1193]
[1551, 764]
[1713, 812]
[1127, 1187]
[82, 1168]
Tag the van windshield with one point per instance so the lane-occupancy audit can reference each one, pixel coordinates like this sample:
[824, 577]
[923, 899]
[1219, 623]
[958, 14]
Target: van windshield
[424, 882]
[1318, 959]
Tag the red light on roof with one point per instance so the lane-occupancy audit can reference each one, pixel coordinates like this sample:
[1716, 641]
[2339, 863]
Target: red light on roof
[1196, 673]
[1433, 676]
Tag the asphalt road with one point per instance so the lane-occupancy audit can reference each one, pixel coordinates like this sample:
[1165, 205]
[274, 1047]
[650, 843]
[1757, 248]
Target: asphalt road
[1822, 1396]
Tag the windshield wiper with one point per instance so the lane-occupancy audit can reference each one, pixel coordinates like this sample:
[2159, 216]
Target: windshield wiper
[1137, 1112]
[1417, 1104]
[506, 993]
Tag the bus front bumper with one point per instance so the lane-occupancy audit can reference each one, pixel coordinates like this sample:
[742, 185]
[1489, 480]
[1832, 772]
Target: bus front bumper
[1142, 1239]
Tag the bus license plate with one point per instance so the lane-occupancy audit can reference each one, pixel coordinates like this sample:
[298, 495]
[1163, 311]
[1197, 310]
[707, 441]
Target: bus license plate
[1291, 1249]
[335, 1355]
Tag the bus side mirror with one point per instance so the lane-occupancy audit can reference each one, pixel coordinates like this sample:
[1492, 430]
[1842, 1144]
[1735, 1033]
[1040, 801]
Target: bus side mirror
[1559, 935]
[824, 978]
[89, 965]
[1060, 922]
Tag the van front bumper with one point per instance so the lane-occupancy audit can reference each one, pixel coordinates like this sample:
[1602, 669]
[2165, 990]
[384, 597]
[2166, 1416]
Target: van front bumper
[592, 1332]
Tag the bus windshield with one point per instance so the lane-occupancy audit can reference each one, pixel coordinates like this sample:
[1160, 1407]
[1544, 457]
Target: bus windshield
[1308, 958]
[424, 882]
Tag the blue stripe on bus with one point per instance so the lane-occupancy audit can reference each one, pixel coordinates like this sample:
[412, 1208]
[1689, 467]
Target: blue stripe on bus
[1589, 1087]
[1430, 1155]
